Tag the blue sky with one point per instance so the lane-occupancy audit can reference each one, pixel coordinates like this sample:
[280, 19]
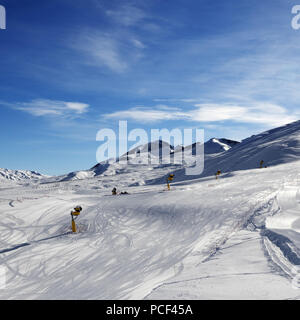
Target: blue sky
[72, 67]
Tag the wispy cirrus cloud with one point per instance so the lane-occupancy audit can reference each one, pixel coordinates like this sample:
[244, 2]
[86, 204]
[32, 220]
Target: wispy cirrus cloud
[111, 50]
[143, 114]
[127, 14]
[102, 50]
[138, 44]
[44, 107]
[119, 45]
[266, 114]
[135, 14]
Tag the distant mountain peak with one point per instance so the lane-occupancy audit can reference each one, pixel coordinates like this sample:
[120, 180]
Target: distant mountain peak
[217, 145]
[20, 175]
[151, 147]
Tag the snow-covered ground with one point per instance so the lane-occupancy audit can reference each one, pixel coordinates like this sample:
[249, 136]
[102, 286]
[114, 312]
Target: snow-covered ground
[232, 238]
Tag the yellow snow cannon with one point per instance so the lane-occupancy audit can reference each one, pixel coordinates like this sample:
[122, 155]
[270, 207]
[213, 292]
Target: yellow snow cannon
[261, 163]
[218, 174]
[74, 214]
[170, 178]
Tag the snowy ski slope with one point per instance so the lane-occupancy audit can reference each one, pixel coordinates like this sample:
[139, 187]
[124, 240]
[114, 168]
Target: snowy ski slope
[232, 238]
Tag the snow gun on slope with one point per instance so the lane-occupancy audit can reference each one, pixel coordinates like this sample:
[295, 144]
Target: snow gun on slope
[218, 173]
[169, 179]
[74, 214]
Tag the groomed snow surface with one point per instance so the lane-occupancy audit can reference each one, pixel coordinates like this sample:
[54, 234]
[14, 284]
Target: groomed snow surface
[236, 237]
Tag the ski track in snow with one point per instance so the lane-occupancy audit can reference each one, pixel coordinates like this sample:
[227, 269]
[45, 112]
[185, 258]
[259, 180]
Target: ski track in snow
[282, 254]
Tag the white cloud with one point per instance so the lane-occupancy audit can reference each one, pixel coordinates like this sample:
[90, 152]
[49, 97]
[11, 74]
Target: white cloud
[127, 15]
[44, 107]
[177, 100]
[130, 14]
[117, 51]
[216, 112]
[260, 113]
[266, 68]
[143, 114]
[77, 107]
[138, 44]
[104, 50]
[118, 47]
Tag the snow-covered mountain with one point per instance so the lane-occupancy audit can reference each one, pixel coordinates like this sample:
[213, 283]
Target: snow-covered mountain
[137, 155]
[273, 147]
[156, 155]
[211, 146]
[156, 147]
[20, 175]
[215, 145]
[277, 146]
